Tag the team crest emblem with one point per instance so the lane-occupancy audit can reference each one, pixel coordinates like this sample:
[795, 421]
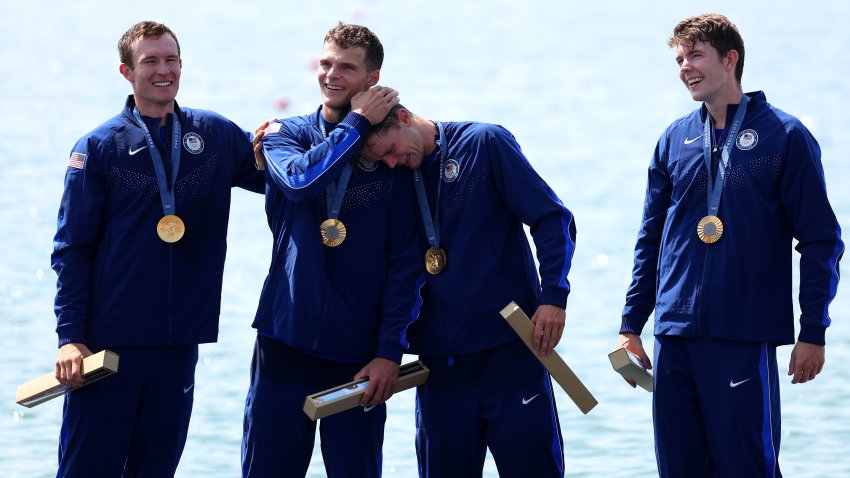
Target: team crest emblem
[747, 139]
[450, 170]
[193, 143]
[366, 165]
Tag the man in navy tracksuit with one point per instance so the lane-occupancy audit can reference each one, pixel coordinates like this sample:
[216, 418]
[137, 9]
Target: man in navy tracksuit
[139, 254]
[475, 190]
[342, 286]
[730, 186]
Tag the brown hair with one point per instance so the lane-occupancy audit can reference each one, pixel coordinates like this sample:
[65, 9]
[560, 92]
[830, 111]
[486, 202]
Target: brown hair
[714, 29]
[139, 30]
[389, 121]
[350, 36]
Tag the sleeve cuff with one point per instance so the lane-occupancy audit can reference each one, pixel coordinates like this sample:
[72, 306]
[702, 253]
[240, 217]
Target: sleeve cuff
[632, 325]
[390, 351]
[68, 335]
[812, 334]
[358, 122]
[554, 296]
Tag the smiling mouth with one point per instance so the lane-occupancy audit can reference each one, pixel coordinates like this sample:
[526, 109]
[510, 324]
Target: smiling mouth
[162, 84]
[693, 81]
[334, 87]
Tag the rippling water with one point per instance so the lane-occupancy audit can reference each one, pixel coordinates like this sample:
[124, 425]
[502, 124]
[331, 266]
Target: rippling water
[587, 90]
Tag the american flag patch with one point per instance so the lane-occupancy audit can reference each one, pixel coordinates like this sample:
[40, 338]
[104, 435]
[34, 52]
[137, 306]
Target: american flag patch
[78, 160]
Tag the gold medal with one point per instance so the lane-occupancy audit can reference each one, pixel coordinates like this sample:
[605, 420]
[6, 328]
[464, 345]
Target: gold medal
[709, 229]
[333, 232]
[435, 260]
[170, 228]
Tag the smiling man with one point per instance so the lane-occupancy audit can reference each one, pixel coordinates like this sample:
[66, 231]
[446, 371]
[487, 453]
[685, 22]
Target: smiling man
[139, 254]
[730, 186]
[476, 190]
[342, 285]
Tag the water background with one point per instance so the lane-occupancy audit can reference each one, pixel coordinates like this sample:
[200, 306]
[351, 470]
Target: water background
[586, 87]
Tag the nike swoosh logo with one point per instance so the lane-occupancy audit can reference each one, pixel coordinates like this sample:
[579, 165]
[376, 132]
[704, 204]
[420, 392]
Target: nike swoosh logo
[134, 151]
[366, 408]
[733, 384]
[526, 402]
[689, 141]
[186, 389]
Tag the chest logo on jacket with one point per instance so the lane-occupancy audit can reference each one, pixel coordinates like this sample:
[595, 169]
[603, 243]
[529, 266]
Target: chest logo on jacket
[193, 143]
[747, 139]
[451, 170]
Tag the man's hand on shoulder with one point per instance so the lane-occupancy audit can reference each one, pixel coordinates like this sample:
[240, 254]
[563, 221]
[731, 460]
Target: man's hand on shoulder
[259, 134]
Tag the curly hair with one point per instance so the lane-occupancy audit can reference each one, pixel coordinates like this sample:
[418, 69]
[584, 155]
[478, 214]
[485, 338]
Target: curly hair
[714, 29]
[349, 36]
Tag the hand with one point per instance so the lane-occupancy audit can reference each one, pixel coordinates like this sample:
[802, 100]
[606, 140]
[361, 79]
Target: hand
[69, 364]
[375, 103]
[383, 378]
[806, 361]
[633, 344]
[259, 134]
[548, 323]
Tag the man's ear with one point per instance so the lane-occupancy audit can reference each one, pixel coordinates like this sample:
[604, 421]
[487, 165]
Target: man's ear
[731, 59]
[126, 72]
[374, 76]
[404, 117]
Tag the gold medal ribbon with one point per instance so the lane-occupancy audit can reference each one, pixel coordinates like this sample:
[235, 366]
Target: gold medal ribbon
[174, 229]
[710, 227]
[436, 258]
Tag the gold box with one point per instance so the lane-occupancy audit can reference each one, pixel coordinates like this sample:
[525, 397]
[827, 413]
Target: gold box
[553, 362]
[630, 366]
[95, 367]
[345, 396]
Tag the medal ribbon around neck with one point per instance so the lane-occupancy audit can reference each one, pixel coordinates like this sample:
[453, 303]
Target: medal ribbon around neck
[170, 227]
[435, 257]
[710, 228]
[332, 229]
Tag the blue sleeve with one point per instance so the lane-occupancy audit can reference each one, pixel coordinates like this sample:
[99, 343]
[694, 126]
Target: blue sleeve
[536, 205]
[804, 199]
[640, 298]
[76, 241]
[302, 170]
[402, 299]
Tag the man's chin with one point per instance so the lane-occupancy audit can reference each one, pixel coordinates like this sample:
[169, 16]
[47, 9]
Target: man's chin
[336, 105]
[336, 100]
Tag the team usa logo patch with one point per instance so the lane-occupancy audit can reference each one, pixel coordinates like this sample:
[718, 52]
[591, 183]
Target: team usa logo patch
[747, 139]
[193, 143]
[451, 170]
[366, 165]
